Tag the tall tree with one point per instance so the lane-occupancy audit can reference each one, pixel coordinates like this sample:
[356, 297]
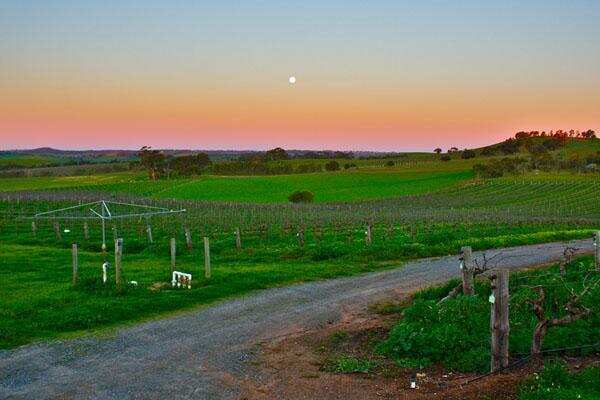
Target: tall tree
[153, 161]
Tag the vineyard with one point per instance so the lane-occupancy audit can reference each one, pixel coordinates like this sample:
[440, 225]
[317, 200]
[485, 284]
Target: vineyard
[255, 245]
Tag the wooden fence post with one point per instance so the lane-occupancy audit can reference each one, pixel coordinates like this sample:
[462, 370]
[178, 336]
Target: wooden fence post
[206, 258]
[86, 231]
[118, 255]
[368, 235]
[57, 230]
[300, 235]
[188, 238]
[467, 270]
[149, 232]
[238, 239]
[74, 255]
[33, 228]
[597, 250]
[173, 254]
[499, 324]
[114, 231]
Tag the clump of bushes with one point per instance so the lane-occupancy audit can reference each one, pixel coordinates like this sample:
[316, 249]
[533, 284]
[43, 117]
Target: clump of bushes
[498, 168]
[467, 154]
[332, 166]
[301, 196]
[327, 252]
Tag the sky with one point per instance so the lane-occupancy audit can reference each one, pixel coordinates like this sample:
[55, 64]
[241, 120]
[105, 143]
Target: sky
[370, 75]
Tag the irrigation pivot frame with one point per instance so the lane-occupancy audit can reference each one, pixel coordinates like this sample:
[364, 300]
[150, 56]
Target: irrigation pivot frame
[101, 210]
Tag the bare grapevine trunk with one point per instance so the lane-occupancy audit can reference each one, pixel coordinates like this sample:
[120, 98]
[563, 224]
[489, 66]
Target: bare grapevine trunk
[539, 333]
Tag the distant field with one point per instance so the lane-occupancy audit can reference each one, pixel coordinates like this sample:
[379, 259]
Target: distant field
[327, 187]
[28, 161]
[62, 182]
[363, 184]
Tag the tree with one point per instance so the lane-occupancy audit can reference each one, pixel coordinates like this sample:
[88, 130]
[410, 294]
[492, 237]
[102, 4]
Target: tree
[437, 151]
[332, 166]
[488, 151]
[522, 135]
[189, 165]
[509, 146]
[301, 196]
[452, 149]
[153, 161]
[589, 134]
[445, 157]
[276, 154]
[466, 154]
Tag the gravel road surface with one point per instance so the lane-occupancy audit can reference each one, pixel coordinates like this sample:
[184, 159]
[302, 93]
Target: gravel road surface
[207, 353]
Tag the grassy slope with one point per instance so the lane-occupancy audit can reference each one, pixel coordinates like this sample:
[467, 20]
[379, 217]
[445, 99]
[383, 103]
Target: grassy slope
[328, 186]
[28, 161]
[63, 182]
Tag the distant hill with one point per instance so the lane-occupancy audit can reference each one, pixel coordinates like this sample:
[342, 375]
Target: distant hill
[563, 147]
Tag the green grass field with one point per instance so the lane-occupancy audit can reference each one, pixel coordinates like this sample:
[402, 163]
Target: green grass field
[416, 209]
[327, 187]
[28, 161]
[363, 184]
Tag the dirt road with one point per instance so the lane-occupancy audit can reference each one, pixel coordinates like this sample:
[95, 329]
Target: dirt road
[209, 353]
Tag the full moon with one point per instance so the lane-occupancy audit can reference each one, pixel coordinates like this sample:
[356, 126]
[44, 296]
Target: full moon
[292, 80]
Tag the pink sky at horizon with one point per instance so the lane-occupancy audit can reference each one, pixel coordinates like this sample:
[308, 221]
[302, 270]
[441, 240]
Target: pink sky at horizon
[381, 76]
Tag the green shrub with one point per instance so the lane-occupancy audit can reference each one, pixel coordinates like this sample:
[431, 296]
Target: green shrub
[456, 332]
[332, 166]
[301, 196]
[466, 154]
[453, 333]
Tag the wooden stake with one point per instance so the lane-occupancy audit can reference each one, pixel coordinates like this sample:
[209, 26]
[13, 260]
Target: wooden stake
[173, 253]
[118, 256]
[238, 239]
[467, 270]
[74, 255]
[368, 235]
[149, 232]
[188, 238]
[57, 230]
[86, 230]
[301, 238]
[33, 228]
[597, 250]
[499, 324]
[206, 258]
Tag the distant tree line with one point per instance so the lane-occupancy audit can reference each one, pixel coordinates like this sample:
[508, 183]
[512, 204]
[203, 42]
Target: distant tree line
[542, 161]
[575, 134]
[159, 165]
[272, 162]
